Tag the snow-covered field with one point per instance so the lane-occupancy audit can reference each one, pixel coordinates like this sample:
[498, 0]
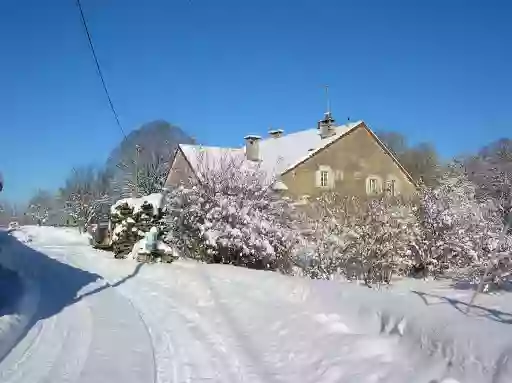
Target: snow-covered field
[104, 320]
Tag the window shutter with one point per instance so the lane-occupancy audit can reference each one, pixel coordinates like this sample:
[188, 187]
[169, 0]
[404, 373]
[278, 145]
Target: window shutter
[331, 179]
[318, 178]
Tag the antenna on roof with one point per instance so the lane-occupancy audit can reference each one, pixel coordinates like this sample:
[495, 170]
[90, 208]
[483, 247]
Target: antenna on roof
[326, 124]
[327, 99]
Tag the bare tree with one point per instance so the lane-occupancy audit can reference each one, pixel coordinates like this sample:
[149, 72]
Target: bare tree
[491, 171]
[40, 207]
[421, 161]
[141, 178]
[84, 191]
[140, 163]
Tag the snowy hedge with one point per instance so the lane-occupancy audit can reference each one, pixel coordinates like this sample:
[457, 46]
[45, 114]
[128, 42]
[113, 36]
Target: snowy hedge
[447, 230]
[366, 240]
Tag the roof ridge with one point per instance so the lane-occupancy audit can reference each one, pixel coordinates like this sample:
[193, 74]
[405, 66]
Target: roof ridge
[208, 146]
[346, 125]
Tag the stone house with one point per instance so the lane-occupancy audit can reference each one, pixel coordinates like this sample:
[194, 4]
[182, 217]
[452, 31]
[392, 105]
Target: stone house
[348, 159]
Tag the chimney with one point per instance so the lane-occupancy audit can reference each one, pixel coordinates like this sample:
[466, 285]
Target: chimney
[326, 126]
[276, 133]
[252, 147]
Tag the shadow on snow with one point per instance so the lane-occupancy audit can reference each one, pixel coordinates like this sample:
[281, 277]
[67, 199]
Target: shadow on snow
[59, 283]
[475, 310]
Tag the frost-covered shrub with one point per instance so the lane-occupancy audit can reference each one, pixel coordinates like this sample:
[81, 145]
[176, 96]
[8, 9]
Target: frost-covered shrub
[230, 215]
[459, 231]
[491, 171]
[366, 240]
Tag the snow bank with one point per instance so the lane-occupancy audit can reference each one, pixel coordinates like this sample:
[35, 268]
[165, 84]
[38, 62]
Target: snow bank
[155, 199]
[430, 319]
[14, 323]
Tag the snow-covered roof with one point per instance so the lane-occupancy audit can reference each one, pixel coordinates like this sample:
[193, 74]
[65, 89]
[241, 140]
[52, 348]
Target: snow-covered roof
[210, 158]
[277, 154]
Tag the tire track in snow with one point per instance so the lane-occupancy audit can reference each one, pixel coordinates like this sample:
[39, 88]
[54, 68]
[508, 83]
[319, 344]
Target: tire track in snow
[115, 337]
[199, 354]
[53, 345]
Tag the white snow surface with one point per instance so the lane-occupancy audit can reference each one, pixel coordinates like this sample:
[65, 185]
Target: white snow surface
[190, 322]
[155, 199]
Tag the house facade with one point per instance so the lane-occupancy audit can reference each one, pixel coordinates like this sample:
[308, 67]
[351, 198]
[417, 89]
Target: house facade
[348, 159]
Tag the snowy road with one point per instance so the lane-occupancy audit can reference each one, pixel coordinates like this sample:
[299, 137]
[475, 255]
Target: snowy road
[78, 337]
[189, 322]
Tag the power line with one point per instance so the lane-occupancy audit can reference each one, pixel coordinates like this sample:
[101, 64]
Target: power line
[98, 67]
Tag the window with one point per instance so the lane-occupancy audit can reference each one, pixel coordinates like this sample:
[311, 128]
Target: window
[373, 185]
[324, 178]
[392, 187]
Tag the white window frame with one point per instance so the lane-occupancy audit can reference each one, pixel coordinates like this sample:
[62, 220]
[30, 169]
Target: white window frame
[324, 178]
[392, 186]
[373, 185]
[376, 181]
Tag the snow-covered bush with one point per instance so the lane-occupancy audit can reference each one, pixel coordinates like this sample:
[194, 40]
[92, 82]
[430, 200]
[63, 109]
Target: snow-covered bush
[228, 214]
[459, 231]
[446, 230]
[366, 240]
[132, 218]
[491, 172]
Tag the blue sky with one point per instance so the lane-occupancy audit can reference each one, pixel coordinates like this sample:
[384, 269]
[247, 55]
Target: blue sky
[437, 71]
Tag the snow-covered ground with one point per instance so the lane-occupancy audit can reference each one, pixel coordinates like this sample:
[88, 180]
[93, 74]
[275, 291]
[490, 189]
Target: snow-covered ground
[101, 320]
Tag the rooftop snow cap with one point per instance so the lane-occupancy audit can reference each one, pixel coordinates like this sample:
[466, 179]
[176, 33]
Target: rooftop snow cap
[252, 147]
[326, 126]
[279, 186]
[276, 133]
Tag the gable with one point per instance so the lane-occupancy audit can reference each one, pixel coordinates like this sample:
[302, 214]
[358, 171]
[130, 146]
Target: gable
[363, 134]
[350, 164]
[181, 171]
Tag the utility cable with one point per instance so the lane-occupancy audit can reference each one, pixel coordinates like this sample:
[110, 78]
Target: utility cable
[98, 67]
